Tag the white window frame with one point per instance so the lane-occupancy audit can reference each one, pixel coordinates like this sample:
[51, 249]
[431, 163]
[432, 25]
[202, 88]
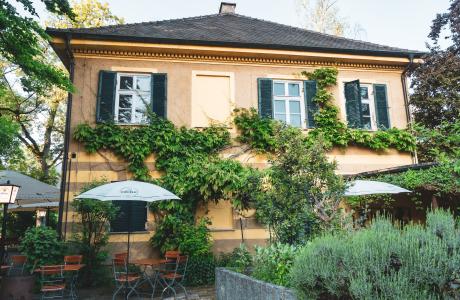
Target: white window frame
[371, 102]
[370, 84]
[133, 93]
[286, 98]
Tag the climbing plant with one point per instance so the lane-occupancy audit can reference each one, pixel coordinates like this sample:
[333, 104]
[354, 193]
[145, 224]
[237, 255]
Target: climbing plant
[189, 159]
[258, 132]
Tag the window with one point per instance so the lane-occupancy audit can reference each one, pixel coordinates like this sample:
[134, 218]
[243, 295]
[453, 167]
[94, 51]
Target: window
[124, 223]
[367, 105]
[288, 103]
[133, 98]
[362, 104]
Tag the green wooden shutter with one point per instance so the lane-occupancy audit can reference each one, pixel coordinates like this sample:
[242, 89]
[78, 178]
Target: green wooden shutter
[159, 94]
[106, 96]
[122, 222]
[265, 86]
[353, 104]
[311, 107]
[381, 106]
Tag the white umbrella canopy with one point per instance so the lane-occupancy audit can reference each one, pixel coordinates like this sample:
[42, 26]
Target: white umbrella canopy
[369, 187]
[128, 190]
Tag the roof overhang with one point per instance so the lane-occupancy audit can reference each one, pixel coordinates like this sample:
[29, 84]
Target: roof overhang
[96, 45]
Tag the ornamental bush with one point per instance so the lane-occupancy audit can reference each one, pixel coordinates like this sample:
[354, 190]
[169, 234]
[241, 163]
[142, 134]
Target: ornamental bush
[383, 262]
[273, 263]
[42, 246]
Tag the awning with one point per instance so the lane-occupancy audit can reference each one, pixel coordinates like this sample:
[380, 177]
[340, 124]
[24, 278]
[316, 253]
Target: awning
[32, 192]
[369, 187]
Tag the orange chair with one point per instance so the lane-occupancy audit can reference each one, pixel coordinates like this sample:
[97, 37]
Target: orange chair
[172, 254]
[18, 263]
[170, 280]
[73, 260]
[124, 280]
[52, 283]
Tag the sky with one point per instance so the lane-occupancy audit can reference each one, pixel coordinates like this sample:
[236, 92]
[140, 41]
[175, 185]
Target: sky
[399, 23]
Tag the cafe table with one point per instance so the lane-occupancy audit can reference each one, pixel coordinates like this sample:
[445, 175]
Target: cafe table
[154, 264]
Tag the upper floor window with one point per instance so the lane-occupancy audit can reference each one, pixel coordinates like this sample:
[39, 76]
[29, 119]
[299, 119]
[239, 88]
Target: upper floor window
[288, 103]
[126, 98]
[366, 105]
[133, 98]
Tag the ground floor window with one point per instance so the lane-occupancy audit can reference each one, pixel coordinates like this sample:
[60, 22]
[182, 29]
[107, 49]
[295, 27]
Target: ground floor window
[124, 221]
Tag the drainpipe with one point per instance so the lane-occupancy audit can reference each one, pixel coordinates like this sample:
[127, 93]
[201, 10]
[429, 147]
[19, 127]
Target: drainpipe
[65, 158]
[406, 102]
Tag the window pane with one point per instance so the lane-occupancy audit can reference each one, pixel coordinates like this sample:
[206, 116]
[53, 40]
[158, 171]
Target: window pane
[367, 123]
[280, 117]
[294, 89]
[126, 82]
[366, 109]
[294, 107]
[280, 106]
[279, 89]
[296, 120]
[141, 106]
[124, 116]
[364, 92]
[143, 83]
[125, 101]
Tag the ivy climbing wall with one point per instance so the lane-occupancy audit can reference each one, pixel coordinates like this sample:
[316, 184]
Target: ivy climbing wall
[108, 157]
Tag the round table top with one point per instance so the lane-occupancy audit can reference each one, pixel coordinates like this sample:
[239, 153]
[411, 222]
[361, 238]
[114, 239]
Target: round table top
[149, 261]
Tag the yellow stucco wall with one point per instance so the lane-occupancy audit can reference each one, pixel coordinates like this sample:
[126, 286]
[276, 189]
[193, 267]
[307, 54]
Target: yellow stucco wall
[236, 82]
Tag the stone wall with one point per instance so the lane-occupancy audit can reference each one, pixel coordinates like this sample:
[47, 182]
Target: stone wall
[236, 286]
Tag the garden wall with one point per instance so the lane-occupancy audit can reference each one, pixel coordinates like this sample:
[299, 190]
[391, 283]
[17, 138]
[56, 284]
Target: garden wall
[236, 286]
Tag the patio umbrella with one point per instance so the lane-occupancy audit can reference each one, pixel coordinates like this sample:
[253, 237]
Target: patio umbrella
[369, 187]
[128, 191]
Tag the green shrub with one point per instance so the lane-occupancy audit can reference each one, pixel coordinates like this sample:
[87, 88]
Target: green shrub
[382, 262]
[42, 246]
[174, 233]
[200, 270]
[274, 263]
[239, 260]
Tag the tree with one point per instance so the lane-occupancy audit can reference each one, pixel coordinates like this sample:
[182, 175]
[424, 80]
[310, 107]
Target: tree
[41, 114]
[89, 13]
[8, 138]
[323, 16]
[21, 43]
[436, 83]
[302, 192]
[94, 234]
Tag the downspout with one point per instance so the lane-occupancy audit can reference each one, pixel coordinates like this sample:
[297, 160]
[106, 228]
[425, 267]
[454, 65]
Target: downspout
[406, 102]
[65, 158]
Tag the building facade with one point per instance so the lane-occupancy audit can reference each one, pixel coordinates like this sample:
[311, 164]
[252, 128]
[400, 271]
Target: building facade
[195, 71]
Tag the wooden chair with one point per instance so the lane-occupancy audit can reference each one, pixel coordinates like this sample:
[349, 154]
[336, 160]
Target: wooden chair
[124, 280]
[170, 280]
[52, 283]
[18, 264]
[73, 259]
[73, 276]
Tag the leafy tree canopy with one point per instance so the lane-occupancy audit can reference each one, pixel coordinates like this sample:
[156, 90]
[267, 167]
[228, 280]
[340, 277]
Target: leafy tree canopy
[20, 43]
[88, 13]
[436, 83]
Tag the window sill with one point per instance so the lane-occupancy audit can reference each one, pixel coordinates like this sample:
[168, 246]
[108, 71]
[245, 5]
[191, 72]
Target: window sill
[126, 232]
[221, 229]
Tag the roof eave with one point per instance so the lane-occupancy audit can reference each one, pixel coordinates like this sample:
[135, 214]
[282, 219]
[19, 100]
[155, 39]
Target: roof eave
[62, 33]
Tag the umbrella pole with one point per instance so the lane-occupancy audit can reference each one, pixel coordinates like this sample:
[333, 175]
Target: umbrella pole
[127, 256]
